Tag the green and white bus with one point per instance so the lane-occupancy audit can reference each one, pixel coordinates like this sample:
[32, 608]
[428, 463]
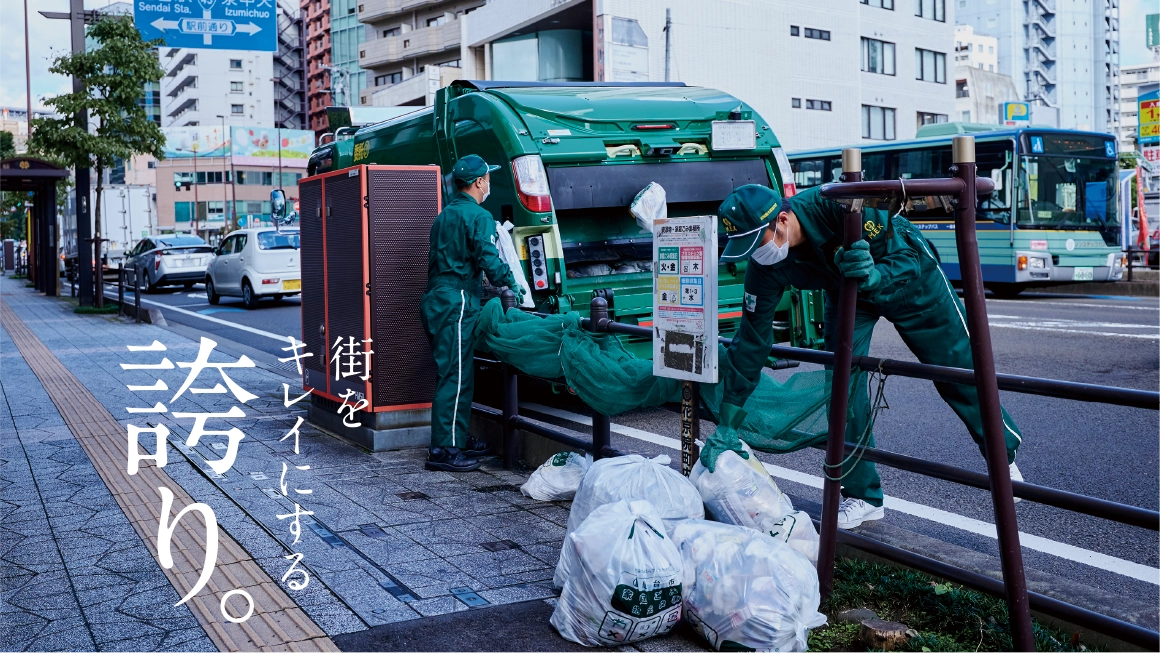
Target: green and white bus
[1052, 219]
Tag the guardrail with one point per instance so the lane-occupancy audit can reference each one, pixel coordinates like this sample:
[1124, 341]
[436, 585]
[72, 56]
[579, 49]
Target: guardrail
[964, 187]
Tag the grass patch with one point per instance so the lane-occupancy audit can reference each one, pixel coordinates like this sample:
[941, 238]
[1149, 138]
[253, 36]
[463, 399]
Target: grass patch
[20, 276]
[947, 617]
[108, 309]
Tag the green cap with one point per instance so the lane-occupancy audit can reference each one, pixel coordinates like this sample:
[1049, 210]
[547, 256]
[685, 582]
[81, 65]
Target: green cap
[745, 213]
[470, 168]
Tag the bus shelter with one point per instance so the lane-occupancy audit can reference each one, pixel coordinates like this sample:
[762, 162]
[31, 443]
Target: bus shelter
[24, 175]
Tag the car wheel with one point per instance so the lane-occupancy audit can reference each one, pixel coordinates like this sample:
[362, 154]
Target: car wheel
[211, 292]
[187, 285]
[249, 297]
[278, 297]
[1005, 290]
[150, 287]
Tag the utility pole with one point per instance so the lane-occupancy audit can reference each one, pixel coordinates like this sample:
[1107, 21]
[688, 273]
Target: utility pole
[78, 17]
[233, 190]
[27, 73]
[668, 42]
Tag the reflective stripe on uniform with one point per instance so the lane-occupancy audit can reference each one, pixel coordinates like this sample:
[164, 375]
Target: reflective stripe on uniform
[459, 362]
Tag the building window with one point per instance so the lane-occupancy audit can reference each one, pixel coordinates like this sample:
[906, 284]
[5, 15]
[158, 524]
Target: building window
[237, 87]
[932, 9]
[818, 105]
[387, 80]
[454, 63]
[437, 21]
[237, 109]
[796, 102]
[966, 116]
[235, 64]
[882, 4]
[794, 30]
[394, 31]
[151, 165]
[930, 66]
[877, 57]
[961, 89]
[925, 118]
[820, 34]
[877, 123]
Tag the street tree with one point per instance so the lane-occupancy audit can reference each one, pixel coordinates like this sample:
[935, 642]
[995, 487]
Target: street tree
[113, 75]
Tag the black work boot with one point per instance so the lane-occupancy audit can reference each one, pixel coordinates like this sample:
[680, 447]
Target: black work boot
[449, 459]
[476, 448]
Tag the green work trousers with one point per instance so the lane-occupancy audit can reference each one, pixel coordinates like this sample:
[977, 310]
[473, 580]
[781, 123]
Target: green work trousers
[931, 320]
[449, 316]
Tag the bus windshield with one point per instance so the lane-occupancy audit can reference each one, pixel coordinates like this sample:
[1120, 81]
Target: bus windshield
[1061, 192]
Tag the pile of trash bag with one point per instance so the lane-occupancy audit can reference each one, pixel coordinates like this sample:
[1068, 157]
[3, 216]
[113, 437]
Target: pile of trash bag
[745, 590]
[740, 491]
[630, 478]
[558, 478]
[624, 583]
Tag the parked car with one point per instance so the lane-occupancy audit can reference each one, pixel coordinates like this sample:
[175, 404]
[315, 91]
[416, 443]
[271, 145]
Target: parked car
[255, 263]
[173, 260]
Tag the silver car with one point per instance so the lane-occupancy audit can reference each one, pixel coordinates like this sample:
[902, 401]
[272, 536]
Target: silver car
[173, 260]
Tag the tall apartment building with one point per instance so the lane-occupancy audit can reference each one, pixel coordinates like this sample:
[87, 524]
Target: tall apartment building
[1062, 54]
[200, 85]
[824, 73]
[404, 38]
[1131, 79]
[975, 50]
[316, 22]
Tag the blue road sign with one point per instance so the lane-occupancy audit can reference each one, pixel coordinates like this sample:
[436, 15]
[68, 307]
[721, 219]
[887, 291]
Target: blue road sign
[215, 24]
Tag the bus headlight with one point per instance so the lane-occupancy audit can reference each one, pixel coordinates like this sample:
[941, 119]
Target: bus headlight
[1036, 263]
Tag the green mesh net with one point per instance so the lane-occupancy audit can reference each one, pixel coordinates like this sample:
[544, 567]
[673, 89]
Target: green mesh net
[782, 417]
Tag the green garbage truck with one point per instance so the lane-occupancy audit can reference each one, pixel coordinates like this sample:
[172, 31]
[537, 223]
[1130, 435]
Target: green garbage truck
[572, 157]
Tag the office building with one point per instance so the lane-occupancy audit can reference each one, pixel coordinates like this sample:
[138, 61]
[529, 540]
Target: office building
[1131, 79]
[888, 64]
[316, 23]
[346, 38]
[1062, 54]
[978, 94]
[975, 50]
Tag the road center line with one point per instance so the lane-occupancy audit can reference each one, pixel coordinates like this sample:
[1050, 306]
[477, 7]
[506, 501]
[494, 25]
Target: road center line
[1029, 302]
[242, 327]
[1109, 334]
[971, 525]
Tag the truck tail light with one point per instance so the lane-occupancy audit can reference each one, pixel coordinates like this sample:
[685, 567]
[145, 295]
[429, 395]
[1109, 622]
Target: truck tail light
[1022, 265]
[532, 183]
[157, 261]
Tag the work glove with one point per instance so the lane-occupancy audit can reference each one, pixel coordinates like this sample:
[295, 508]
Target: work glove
[725, 438]
[520, 292]
[856, 263]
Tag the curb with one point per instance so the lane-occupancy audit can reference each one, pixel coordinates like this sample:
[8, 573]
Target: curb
[1121, 288]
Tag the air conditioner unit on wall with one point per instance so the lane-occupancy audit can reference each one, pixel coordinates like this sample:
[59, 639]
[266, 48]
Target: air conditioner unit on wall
[364, 242]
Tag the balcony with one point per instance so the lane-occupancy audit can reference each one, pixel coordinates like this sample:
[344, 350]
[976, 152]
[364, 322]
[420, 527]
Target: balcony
[370, 11]
[416, 43]
[189, 82]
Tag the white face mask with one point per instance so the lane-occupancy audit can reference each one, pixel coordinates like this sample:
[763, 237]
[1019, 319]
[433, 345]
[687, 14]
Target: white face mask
[486, 193]
[769, 253]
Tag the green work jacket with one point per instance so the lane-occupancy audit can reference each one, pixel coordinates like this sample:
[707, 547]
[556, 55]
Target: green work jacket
[810, 266]
[462, 245]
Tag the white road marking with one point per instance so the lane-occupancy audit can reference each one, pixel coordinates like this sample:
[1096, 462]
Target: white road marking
[1029, 302]
[1086, 333]
[971, 525]
[215, 320]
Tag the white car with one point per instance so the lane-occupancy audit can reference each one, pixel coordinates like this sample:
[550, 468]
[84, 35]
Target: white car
[255, 263]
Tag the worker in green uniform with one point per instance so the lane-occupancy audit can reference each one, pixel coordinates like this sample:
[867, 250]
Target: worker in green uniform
[463, 241]
[796, 242]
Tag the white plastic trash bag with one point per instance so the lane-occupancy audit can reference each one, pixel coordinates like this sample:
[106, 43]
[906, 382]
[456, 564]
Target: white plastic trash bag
[740, 491]
[797, 530]
[558, 478]
[625, 580]
[649, 206]
[632, 477]
[507, 252]
[745, 590]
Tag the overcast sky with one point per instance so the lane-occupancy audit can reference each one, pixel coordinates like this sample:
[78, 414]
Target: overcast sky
[50, 38]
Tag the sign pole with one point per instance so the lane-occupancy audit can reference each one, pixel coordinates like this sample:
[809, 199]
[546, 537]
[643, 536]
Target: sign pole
[690, 425]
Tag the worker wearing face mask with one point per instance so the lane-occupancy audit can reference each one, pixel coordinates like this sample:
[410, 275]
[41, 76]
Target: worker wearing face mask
[797, 242]
[462, 245]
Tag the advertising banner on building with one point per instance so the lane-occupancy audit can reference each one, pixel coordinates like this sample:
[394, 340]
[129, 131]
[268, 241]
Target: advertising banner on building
[187, 142]
[268, 145]
[1149, 107]
[685, 298]
[1015, 114]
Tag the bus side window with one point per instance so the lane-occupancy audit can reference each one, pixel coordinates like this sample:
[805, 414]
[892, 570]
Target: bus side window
[874, 167]
[808, 173]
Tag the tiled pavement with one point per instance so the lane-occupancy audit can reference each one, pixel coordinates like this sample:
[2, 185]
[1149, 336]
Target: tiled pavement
[389, 542]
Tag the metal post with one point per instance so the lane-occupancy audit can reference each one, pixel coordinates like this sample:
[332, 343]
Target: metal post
[690, 425]
[121, 290]
[840, 386]
[98, 272]
[137, 294]
[668, 43]
[601, 424]
[511, 397]
[1011, 556]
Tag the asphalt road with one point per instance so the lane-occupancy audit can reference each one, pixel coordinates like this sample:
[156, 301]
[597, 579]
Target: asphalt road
[1102, 451]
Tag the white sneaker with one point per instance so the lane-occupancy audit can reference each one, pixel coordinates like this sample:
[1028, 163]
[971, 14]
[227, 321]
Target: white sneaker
[1016, 475]
[853, 512]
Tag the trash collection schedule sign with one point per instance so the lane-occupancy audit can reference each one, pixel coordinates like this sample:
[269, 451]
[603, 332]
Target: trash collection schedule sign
[685, 298]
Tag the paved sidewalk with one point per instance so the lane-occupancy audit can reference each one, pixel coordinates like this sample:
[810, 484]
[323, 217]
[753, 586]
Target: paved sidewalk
[388, 542]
